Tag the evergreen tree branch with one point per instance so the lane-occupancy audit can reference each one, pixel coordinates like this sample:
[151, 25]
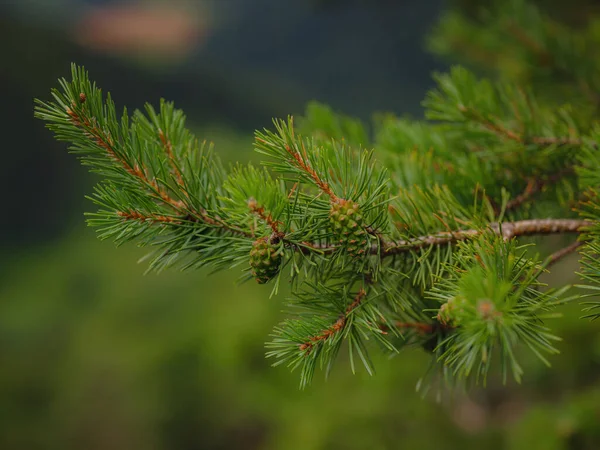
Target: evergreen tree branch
[300, 159]
[531, 227]
[116, 151]
[497, 108]
[442, 270]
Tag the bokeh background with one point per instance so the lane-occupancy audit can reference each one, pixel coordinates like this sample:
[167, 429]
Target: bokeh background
[95, 355]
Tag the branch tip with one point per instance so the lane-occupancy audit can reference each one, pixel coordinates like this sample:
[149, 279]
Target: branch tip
[337, 326]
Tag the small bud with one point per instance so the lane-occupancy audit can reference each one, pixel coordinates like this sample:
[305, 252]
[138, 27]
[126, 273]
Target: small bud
[82, 98]
[487, 309]
[443, 316]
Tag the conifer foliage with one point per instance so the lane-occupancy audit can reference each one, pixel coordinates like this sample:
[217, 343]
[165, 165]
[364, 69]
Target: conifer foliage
[417, 233]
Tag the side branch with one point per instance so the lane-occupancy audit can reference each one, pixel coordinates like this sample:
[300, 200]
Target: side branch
[422, 328]
[419, 327]
[152, 218]
[337, 327]
[193, 217]
[168, 147]
[302, 164]
[560, 254]
[106, 142]
[535, 186]
[265, 216]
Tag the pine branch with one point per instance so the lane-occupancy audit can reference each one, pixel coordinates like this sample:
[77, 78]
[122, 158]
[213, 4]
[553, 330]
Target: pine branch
[464, 100]
[546, 58]
[422, 258]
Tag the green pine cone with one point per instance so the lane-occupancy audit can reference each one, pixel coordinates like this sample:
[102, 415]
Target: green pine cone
[348, 225]
[264, 260]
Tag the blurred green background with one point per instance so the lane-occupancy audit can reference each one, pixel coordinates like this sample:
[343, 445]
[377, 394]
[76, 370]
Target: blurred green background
[95, 355]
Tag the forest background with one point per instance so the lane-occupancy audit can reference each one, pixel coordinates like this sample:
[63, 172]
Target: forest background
[97, 356]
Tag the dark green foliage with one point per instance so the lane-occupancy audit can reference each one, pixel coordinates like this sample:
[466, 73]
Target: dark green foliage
[521, 43]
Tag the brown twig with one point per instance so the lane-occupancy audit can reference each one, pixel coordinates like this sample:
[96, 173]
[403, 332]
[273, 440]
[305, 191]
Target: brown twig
[292, 190]
[507, 229]
[560, 254]
[538, 226]
[423, 328]
[534, 186]
[507, 133]
[490, 125]
[337, 327]
[259, 210]
[153, 218]
[168, 147]
[300, 161]
[303, 165]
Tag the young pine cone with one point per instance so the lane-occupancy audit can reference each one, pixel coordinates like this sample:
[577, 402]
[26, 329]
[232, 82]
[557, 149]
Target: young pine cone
[348, 225]
[264, 260]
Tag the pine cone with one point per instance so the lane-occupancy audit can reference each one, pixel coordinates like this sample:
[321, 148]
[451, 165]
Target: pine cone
[348, 225]
[264, 260]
